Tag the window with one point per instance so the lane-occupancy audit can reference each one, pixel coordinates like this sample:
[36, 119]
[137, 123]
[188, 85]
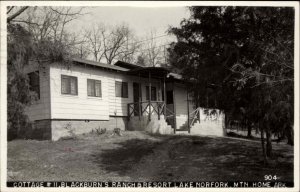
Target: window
[121, 89]
[94, 88]
[153, 93]
[34, 83]
[69, 85]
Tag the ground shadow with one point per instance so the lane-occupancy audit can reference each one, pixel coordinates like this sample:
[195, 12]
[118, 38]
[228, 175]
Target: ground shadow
[127, 155]
[181, 156]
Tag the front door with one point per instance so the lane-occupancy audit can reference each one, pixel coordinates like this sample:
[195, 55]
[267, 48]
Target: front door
[136, 97]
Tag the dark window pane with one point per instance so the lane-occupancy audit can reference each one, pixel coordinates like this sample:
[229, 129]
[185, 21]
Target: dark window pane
[125, 89]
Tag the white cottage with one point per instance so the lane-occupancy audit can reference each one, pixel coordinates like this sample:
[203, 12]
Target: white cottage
[87, 95]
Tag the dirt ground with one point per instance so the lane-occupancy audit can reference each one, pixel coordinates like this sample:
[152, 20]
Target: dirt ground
[138, 156]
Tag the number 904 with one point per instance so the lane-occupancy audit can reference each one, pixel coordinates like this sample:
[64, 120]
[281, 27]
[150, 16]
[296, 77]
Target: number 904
[270, 177]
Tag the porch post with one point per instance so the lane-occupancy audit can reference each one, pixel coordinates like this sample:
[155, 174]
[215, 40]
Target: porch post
[188, 109]
[174, 107]
[149, 102]
[128, 112]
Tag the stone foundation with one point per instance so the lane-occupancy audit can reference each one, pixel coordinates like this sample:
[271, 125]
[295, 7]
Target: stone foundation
[154, 126]
[63, 128]
[50, 129]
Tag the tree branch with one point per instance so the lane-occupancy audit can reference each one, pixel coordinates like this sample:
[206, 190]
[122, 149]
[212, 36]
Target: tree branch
[21, 10]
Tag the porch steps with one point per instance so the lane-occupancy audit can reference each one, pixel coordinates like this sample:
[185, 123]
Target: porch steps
[184, 127]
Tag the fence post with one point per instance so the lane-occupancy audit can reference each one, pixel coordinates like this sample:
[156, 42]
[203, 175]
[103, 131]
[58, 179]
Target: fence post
[158, 110]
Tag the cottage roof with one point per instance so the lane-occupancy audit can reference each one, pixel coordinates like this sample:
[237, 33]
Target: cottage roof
[98, 64]
[132, 69]
[127, 65]
[155, 72]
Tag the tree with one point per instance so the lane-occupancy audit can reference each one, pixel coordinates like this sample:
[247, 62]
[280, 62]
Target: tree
[14, 12]
[242, 61]
[35, 33]
[95, 40]
[19, 96]
[111, 43]
[48, 27]
[153, 51]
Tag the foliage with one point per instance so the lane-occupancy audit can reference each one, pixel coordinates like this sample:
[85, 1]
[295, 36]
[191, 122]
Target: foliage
[241, 59]
[18, 94]
[33, 34]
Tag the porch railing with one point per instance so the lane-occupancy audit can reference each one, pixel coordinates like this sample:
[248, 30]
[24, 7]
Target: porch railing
[146, 108]
[193, 117]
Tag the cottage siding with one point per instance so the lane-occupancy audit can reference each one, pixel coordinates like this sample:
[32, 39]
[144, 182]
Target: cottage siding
[118, 105]
[80, 106]
[40, 109]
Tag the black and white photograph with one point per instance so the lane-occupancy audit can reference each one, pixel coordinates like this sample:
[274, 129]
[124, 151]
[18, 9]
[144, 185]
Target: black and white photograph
[156, 95]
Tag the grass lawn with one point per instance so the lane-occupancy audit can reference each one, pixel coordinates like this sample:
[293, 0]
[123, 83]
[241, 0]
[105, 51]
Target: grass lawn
[137, 156]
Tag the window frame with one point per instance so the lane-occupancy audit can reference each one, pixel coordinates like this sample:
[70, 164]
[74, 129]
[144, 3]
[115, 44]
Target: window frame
[69, 84]
[95, 81]
[124, 89]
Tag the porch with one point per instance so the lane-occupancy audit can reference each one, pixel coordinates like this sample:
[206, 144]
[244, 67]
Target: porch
[158, 111]
[168, 110]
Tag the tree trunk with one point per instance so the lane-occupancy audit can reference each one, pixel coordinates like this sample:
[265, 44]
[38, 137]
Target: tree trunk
[263, 142]
[290, 136]
[269, 142]
[249, 127]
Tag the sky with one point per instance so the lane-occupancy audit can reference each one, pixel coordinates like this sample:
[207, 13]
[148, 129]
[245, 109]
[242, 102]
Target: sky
[141, 20]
